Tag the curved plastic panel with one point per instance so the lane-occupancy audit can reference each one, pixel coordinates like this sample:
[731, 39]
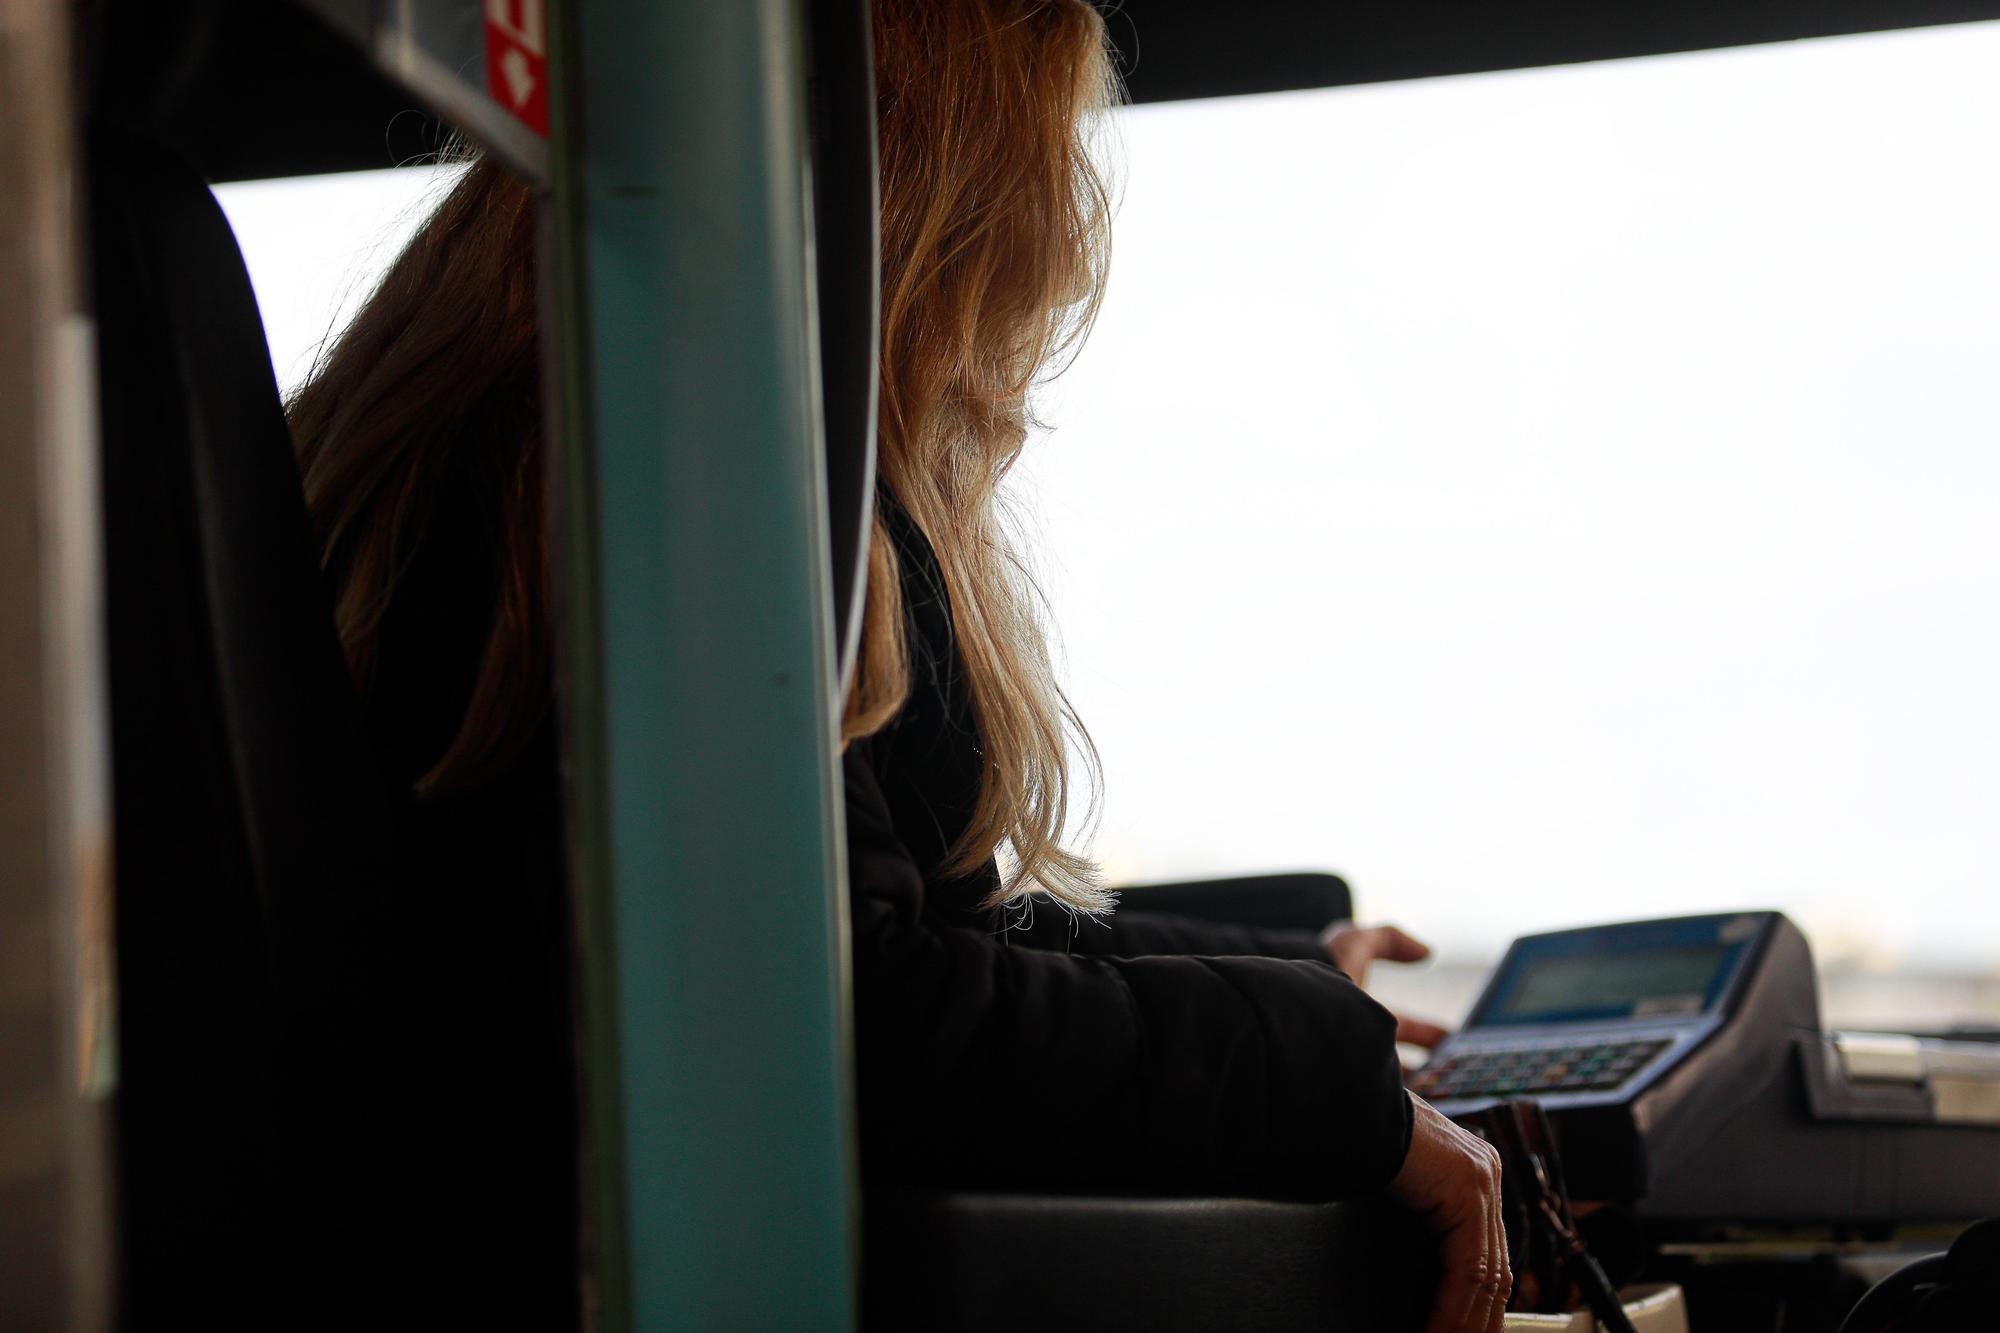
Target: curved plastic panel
[847, 205]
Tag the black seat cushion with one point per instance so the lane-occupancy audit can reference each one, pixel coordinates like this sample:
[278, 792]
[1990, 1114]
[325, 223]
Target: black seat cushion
[973, 1262]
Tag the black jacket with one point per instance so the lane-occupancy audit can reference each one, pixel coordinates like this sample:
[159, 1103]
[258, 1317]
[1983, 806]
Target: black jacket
[1141, 1053]
[486, 1140]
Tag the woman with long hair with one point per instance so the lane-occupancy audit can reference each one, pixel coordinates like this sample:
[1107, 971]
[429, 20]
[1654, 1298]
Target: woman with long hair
[1011, 1029]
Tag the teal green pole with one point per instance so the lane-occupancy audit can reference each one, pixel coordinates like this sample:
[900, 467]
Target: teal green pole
[699, 662]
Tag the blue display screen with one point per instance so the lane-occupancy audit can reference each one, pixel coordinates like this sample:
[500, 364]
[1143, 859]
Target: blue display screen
[1647, 970]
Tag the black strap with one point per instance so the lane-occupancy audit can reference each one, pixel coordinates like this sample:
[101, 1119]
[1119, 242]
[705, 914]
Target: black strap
[1547, 1252]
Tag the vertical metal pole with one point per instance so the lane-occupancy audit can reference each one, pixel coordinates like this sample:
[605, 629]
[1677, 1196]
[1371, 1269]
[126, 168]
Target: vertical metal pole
[56, 1059]
[700, 668]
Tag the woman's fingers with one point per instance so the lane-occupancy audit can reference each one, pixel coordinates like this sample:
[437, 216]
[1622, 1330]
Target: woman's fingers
[1489, 1276]
[1503, 1274]
[1353, 947]
[1456, 1307]
[1392, 945]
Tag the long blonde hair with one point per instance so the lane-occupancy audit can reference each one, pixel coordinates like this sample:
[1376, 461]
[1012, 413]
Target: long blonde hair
[994, 233]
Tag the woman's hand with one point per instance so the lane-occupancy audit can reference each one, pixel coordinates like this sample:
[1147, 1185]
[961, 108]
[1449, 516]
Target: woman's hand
[1451, 1179]
[1353, 948]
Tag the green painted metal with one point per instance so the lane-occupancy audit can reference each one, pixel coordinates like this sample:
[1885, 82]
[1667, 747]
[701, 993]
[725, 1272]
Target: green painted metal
[703, 717]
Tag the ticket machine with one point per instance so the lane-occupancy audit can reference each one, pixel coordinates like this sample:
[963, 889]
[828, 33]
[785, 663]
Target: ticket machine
[1687, 1073]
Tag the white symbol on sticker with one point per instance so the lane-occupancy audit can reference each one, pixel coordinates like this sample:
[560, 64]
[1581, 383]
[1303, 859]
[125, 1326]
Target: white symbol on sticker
[520, 79]
[519, 19]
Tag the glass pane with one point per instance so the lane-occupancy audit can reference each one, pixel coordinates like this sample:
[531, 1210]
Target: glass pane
[1559, 496]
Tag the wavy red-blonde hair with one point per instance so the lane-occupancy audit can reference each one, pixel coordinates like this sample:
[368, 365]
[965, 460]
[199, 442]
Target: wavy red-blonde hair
[994, 227]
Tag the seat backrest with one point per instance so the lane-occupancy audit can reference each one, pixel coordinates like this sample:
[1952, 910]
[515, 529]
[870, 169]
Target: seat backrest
[1303, 900]
[256, 898]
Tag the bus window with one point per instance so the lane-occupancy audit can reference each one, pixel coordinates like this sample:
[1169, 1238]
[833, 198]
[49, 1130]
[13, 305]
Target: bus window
[1555, 496]
[317, 245]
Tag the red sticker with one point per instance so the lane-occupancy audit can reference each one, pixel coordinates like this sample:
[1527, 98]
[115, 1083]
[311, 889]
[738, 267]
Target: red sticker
[517, 65]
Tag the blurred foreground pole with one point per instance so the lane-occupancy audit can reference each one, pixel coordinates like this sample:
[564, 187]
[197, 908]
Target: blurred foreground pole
[698, 657]
[56, 1057]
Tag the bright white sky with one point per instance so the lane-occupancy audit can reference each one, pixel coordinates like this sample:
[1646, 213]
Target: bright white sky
[1544, 497]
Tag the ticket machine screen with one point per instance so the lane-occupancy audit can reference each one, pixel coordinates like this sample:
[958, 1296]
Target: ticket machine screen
[1649, 970]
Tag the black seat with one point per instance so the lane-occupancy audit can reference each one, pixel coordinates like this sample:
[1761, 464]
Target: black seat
[1062, 1264]
[256, 891]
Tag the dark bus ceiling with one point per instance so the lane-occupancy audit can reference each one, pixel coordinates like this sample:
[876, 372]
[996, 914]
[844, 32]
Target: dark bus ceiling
[258, 88]
[1177, 49]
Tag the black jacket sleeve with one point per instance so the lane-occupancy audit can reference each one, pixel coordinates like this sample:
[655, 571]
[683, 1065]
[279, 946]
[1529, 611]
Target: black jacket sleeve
[987, 1066]
[1127, 933]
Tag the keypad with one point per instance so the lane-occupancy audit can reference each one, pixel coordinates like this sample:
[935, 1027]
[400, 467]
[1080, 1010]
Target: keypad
[1525, 1071]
